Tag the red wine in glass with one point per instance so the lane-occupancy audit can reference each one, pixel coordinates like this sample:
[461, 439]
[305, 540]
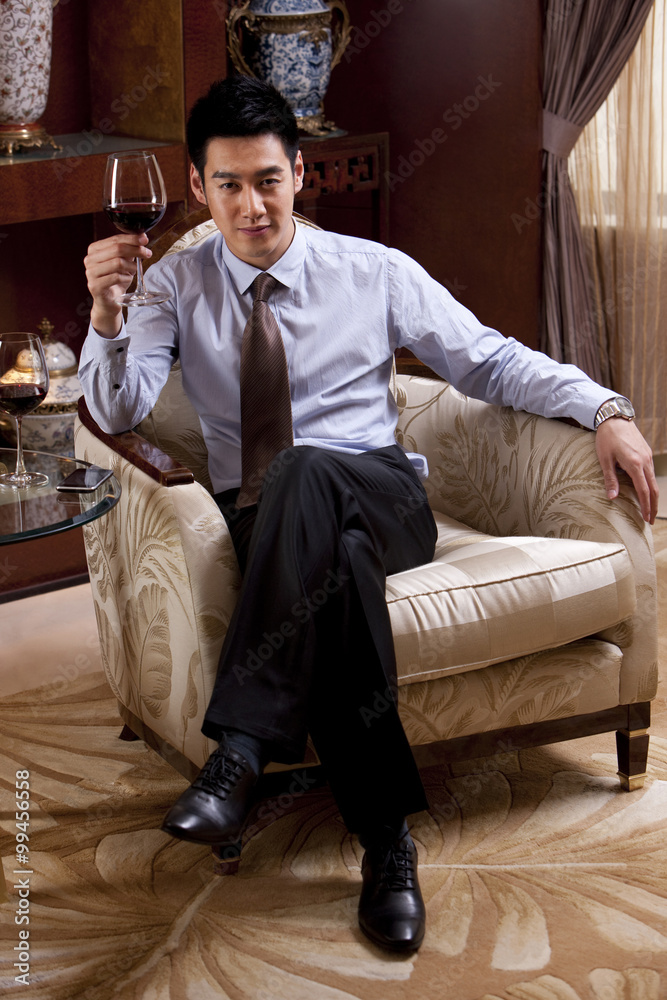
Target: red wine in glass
[17, 400]
[24, 383]
[135, 200]
[137, 217]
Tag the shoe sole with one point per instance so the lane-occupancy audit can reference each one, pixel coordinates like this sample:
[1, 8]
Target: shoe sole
[179, 834]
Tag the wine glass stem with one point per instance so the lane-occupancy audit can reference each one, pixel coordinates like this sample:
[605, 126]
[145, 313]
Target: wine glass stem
[141, 288]
[20, 464]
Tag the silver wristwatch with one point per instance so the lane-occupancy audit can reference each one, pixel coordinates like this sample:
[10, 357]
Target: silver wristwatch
[619, 406]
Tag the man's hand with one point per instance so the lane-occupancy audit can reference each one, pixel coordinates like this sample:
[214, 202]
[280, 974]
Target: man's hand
[110, 266]
[619, 443]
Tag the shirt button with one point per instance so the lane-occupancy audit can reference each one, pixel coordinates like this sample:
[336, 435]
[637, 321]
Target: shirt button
[119, 350]
[116, 385]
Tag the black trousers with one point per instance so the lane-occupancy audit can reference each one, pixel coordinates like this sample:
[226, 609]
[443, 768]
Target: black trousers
[309, 648]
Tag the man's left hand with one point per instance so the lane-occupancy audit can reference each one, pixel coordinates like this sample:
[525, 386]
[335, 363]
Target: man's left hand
[618, 442]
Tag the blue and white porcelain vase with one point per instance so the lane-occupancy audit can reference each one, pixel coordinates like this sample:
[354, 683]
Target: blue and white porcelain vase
[292, 45]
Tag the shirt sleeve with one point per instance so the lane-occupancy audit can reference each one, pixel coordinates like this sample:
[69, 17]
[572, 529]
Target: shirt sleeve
[478, 360]
[122, 377]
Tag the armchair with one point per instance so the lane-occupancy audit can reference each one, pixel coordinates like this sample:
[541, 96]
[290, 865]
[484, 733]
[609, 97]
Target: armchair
[535, 622]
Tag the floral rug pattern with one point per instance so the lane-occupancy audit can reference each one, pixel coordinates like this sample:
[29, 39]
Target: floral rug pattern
[542, 879]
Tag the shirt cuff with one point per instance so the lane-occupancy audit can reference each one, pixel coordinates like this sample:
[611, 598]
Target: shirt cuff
[106, 348]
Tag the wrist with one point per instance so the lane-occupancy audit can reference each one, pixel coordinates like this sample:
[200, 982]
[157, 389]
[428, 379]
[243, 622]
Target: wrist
[615, 406]
[106, 322]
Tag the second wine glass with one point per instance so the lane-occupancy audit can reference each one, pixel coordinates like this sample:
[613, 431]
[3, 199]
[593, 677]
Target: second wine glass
[24, 383]
[135, 200]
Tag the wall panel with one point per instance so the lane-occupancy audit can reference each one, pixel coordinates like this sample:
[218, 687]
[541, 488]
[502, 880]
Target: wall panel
[456, 83]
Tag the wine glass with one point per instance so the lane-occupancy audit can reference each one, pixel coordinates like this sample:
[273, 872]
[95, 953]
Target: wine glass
[24, 383]
[135, 200]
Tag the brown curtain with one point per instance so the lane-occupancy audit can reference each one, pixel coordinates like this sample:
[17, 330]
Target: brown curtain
[586, 45]
[619, 177]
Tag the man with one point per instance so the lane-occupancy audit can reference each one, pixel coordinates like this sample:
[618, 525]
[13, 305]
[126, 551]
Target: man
[321, 508]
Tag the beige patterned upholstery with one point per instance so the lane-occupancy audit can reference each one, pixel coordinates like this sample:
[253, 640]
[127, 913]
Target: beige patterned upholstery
[539, 606]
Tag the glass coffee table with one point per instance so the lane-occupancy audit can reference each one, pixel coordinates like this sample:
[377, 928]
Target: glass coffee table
[41, 510]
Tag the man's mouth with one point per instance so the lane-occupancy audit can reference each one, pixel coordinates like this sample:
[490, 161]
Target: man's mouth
[255, 230]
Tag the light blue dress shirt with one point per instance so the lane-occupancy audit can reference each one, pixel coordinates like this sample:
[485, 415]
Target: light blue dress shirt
[344, 307]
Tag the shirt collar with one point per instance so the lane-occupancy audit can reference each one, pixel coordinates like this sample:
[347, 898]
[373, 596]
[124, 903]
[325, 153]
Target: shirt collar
[285, 270]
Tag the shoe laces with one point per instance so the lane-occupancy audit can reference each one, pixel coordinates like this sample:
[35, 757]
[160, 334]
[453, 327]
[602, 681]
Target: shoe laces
[219, 775]
[397, 867]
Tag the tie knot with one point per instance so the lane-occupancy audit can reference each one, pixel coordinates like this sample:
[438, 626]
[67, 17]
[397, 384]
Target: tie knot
[263, 286]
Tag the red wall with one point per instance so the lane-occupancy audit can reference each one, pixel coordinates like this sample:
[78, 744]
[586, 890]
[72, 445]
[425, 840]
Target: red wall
[456, 83]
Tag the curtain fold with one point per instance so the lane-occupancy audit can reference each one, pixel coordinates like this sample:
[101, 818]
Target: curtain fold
[586, 45]
[619, 177]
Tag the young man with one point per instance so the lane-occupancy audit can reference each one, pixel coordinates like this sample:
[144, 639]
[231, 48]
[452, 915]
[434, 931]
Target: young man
[322, 507]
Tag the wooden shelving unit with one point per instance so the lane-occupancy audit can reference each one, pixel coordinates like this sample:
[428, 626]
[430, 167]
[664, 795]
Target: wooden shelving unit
[72, 184]
[123, 76]
[118, 80]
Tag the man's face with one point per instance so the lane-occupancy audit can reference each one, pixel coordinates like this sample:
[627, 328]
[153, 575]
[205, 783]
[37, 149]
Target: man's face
[249, 187]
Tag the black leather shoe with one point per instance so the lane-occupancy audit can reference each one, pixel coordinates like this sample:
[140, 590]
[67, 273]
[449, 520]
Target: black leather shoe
[215, 807]
[391, 908]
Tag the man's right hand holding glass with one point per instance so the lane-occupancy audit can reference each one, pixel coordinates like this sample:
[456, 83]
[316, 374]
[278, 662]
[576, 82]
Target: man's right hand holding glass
[110, 268]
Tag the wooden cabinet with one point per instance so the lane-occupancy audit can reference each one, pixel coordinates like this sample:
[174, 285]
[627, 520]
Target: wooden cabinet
[118, 80]
[123, 76]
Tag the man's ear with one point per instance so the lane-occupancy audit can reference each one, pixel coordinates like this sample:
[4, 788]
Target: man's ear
[197, 185]
[298, 172]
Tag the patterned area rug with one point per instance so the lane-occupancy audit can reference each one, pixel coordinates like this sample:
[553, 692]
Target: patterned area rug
[543, 880]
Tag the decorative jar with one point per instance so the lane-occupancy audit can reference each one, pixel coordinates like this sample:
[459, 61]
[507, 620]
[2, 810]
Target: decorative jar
[25, 68]
[292, 45]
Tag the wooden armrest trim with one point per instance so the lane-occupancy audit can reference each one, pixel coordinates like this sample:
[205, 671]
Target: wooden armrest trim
[138, 451]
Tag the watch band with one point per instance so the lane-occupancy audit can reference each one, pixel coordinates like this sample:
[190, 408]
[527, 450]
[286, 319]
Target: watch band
[618, 406]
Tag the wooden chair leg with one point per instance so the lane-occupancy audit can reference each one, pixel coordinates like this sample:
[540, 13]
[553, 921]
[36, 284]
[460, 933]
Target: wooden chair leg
[632, 754]
[127, 734]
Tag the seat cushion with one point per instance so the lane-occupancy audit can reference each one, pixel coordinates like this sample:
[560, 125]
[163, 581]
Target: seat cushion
[485, 599]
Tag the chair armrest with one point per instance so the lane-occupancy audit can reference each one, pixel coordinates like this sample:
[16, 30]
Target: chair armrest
[513, 473]
[505, 472]
[138, 451]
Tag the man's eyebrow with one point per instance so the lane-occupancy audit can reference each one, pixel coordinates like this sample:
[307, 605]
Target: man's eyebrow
[229, 175]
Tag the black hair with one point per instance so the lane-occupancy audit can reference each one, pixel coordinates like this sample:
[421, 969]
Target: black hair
[240, 106]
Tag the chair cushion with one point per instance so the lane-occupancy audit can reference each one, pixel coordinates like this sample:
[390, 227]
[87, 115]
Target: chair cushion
[485, 599]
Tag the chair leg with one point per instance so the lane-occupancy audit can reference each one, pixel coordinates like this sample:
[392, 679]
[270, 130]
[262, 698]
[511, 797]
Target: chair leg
[127, 734]
[632, 755]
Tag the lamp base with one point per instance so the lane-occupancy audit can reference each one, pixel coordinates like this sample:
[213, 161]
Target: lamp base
[16, 137]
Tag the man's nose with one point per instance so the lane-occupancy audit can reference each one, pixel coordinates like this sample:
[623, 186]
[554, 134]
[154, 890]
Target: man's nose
[252, 203]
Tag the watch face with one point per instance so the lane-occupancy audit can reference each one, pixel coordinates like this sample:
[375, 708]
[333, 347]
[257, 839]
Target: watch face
[625, 406]
[619, 406]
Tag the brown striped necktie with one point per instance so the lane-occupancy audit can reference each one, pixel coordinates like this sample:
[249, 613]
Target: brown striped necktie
[266, 408]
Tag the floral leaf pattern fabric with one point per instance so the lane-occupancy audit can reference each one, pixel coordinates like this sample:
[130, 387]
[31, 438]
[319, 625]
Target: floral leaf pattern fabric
[495, 477]
[541, 879]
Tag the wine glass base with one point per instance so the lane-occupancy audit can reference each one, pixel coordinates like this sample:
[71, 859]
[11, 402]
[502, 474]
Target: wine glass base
[23, 481]
[147, 299]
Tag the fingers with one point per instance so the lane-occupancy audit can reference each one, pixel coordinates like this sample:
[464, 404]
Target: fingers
[620, 444]
[113, 261]
[110, 267]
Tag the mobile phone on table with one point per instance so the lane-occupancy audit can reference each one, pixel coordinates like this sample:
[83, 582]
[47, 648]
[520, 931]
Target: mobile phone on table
[84, 480]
